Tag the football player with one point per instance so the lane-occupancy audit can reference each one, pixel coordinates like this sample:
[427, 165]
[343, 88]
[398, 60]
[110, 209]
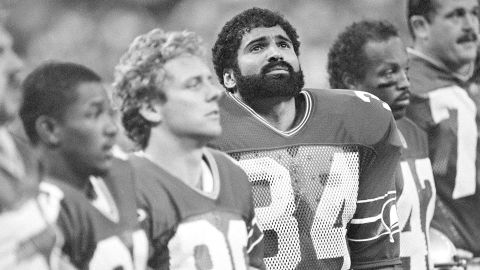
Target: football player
[445, 105]
[196, 201]
[321, 162]
[26, 238]
[67, 116]
[377, 47]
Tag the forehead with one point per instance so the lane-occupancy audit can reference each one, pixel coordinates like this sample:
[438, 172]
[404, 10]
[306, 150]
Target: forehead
[87, 93]
[389, 51]
[263, 33]
[443, 6]
[185, 67]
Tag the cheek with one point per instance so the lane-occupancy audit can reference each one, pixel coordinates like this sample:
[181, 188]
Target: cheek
[249, 65]
[85, 138]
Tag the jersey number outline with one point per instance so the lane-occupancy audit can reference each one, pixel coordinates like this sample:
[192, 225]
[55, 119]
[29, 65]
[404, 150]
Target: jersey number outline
[328, 210]
[409, 210]
[454, 98]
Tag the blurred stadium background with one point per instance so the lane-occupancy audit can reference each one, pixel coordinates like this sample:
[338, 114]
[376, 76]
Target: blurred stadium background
[96, 32]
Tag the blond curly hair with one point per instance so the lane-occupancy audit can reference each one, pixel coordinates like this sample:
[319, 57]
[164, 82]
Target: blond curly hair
[140, 75]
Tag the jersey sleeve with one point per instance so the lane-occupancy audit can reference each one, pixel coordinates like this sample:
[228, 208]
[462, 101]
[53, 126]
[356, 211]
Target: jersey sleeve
[373, 233]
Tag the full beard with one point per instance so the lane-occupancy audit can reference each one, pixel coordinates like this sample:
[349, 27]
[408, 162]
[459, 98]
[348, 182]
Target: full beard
[260, 86]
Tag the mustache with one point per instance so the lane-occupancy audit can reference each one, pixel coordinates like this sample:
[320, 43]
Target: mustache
[265, 69]
[467, 37]
[405, 95]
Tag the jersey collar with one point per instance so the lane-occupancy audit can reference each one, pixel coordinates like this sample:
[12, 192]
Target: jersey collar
[286, 133]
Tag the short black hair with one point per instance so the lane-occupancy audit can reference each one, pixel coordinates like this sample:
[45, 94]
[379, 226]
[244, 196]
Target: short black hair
[425, 8]
[224, 52]
[49, 90]
[346, 56]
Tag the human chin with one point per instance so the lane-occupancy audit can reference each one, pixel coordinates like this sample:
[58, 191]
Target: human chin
[260, 86]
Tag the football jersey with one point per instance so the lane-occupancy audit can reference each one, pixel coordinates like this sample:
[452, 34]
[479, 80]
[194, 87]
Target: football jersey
[190, 228]
[443, 106]
[415, 196]
[27, 241]
[97, 237]
[324, 191]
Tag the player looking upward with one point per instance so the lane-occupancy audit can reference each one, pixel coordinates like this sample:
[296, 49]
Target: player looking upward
[321, 162]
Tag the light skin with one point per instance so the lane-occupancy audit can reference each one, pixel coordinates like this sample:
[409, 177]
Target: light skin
[259, 47]
[385, 74]
[448, 37]
[80, 144]
[187, 120]
[10, 66]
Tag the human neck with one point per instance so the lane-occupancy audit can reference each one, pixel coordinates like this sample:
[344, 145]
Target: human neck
[181, 157]
[57, 167]
[280, 112]
[460, 69]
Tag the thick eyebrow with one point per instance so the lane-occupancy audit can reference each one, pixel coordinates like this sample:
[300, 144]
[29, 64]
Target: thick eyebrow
[264, 39]
[257, 40]
[281, 37]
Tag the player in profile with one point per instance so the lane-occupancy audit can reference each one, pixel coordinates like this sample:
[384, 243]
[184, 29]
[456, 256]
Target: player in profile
[445, 104]
[377, 47]
[26, 238]
[67, 116]
[196, 201]
[321, 162]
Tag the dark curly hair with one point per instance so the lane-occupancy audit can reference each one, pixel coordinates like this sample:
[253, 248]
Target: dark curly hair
[346, 56]
[224, 52]
[49, 90]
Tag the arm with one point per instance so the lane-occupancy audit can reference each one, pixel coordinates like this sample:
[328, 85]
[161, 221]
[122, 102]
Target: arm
[373, 233]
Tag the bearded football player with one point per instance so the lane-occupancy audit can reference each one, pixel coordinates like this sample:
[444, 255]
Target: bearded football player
[377, 47]
[321, 162]
[196, 201]
[68, 118]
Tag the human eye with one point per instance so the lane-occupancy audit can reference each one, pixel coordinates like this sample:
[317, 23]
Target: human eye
[475, 12]
[256, 47]
[388, 73]
[457, 13]
[193, 83]
[284, 44]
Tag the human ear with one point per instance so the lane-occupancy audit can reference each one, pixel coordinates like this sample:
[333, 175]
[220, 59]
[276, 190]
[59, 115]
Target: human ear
[151, 111]
[349, 81]
[419, 26]
[229, 78]
[48, 130]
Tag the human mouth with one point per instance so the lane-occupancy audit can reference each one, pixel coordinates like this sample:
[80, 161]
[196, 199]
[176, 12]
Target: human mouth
[277, 68]
[14, 80]
[108, 151]
[402, 101]
[468, 38]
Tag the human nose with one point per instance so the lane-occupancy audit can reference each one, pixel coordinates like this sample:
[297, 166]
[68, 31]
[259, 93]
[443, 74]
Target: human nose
[213, 91]
[404, 83]
[471, 22]
[274, 53]
[111, 128]
[15, 64]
